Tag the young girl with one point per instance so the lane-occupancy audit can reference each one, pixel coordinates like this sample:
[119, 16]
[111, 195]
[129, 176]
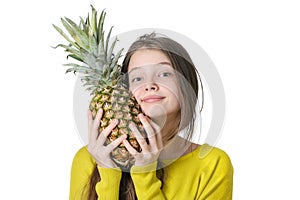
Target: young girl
[163, 79]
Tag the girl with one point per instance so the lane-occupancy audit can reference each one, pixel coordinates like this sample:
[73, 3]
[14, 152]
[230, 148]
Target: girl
[164, 80]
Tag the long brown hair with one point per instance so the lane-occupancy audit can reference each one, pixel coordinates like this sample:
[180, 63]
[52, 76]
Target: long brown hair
[183, 64]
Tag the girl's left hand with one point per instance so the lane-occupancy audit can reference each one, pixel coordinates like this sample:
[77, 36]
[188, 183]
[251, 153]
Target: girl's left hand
[150, 152]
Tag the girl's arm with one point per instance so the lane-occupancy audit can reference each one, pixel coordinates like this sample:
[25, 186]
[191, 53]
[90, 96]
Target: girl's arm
[147, 185]
[82, 168]
[108, 187]
[96, 154]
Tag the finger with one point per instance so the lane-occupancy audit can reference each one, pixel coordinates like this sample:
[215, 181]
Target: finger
[90, 117]
[97, 119]
[92, 135]
[90, 121]
[155, 126]
[159, 141]
[148, 128]
[141, 140]
[150, 132]
[130, 149]
[158, 134]
[104, 134]
[115, 143]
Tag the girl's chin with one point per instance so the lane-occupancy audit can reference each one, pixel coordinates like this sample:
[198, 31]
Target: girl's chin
[157, 114]
[155, 110]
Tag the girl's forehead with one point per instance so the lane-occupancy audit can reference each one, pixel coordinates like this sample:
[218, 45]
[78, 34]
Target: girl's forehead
[143, 57]
[151, 69]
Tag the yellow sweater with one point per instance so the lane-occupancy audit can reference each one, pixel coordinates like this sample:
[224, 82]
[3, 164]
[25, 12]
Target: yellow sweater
[189, 177]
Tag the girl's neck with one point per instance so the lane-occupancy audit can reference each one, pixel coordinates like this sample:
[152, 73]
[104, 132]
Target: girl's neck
[174, 146]
[170, 127]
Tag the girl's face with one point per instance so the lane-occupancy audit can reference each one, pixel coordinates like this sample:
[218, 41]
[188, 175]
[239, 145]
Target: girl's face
[152, 80]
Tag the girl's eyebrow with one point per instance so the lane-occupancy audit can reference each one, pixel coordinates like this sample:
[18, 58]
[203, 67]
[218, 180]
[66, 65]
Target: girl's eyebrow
[133, 69]
[160, 63]
[165, 63]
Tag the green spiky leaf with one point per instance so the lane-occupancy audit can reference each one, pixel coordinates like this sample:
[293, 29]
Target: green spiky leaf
[88, 45]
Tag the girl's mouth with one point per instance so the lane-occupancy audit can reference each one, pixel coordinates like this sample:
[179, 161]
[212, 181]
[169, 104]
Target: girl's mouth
[152, 98]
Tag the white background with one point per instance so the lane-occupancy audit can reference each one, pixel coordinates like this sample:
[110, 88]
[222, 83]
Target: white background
[255, 46]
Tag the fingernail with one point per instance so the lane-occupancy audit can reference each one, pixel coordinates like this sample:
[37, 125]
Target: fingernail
[115, 121]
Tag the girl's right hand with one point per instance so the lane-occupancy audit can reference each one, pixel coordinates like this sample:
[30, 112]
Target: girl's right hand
[96, 147]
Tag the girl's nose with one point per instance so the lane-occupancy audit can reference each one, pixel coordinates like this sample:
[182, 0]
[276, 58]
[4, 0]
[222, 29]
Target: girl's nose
[151, 87]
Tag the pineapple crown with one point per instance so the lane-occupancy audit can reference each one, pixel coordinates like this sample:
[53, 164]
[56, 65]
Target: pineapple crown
[89, 46]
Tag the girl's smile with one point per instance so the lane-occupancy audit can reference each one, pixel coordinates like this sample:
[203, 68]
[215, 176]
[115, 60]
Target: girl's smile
[152, 99]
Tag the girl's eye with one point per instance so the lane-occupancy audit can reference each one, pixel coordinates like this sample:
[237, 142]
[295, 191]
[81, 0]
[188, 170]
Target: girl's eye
[136, 79]
[165, 74]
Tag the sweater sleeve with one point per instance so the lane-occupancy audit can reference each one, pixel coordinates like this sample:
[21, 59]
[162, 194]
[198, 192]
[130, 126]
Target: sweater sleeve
[82, 168]
[108, 187]
[147, 185]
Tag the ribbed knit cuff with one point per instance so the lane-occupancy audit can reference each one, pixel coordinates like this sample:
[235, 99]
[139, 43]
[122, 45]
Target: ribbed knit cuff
[108, 187]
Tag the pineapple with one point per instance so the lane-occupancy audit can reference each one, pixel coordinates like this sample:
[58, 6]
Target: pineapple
[101, 74]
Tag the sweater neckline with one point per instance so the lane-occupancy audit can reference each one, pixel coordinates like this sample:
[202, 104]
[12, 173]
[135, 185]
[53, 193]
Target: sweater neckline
[168, 162]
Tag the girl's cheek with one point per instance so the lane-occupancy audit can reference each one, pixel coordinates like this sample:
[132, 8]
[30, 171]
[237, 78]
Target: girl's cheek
[137, 96]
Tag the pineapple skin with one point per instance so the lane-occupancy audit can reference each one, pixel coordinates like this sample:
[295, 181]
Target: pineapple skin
[118, 103]
[98, 65]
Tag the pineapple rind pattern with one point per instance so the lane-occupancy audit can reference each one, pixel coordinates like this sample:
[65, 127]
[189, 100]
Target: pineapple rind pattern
[101, 73]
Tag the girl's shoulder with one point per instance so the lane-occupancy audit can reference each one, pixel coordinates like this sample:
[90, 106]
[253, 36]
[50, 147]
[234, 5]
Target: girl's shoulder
[83, 156]
[207, 155]
[207, 151]
[205, 161]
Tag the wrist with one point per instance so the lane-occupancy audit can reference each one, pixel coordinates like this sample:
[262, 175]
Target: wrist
[108, 164]
[145, 168]
[109, 173]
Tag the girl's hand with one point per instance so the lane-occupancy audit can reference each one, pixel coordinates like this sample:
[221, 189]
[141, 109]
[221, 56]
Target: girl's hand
[96, 147]
[150, 152]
